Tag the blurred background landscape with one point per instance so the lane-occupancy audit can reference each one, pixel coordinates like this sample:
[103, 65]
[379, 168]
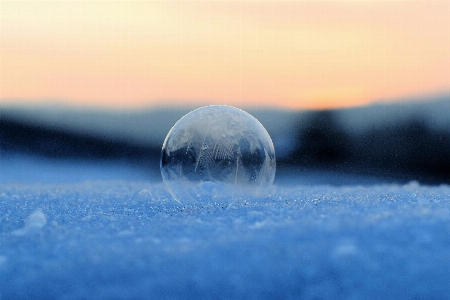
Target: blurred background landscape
[351, 92]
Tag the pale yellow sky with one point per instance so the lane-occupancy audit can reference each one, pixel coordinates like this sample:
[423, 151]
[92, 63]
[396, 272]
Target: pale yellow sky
[302, 54]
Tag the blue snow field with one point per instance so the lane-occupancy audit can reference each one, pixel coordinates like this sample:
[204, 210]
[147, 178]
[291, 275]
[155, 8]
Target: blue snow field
[127, 239]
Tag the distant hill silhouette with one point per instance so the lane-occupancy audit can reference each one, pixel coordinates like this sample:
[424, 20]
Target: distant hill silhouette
[16, 136]
[408, 141]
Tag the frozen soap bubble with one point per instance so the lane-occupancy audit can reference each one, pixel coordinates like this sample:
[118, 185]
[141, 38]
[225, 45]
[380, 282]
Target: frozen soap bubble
[215, 153]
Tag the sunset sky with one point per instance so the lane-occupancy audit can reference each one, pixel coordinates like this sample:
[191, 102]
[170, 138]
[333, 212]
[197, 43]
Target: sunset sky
[302, 54]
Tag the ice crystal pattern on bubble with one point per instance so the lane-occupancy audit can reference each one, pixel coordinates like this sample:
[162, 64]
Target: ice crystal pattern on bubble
[215, 150]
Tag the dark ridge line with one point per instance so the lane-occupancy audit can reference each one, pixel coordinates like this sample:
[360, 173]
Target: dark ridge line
[16, 136]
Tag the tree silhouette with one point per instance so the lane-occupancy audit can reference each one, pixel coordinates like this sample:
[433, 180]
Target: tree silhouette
[321, 142]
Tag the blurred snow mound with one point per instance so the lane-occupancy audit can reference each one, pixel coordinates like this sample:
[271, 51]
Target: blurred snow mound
[33, 222]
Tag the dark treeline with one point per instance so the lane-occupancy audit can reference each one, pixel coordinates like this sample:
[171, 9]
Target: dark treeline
[408, 149]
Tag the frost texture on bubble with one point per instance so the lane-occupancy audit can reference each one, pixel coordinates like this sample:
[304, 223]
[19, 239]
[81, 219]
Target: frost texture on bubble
[214, 151]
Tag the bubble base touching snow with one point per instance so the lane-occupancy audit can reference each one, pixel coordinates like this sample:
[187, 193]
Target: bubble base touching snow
[210, 192]
[127, 240]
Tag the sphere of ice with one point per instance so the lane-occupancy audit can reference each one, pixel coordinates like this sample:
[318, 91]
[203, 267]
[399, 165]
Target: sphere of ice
[216, 152]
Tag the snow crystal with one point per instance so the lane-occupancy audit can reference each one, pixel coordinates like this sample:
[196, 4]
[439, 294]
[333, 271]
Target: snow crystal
[3, 260]
[33, 222]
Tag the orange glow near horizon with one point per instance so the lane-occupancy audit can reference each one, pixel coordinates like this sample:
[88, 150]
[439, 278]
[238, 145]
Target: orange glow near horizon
[303, 54]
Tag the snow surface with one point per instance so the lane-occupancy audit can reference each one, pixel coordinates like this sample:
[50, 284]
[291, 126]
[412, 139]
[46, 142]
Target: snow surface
[129, 240]
[20, 168]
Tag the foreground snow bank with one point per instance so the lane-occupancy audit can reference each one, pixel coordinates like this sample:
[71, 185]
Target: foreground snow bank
[120, 239]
